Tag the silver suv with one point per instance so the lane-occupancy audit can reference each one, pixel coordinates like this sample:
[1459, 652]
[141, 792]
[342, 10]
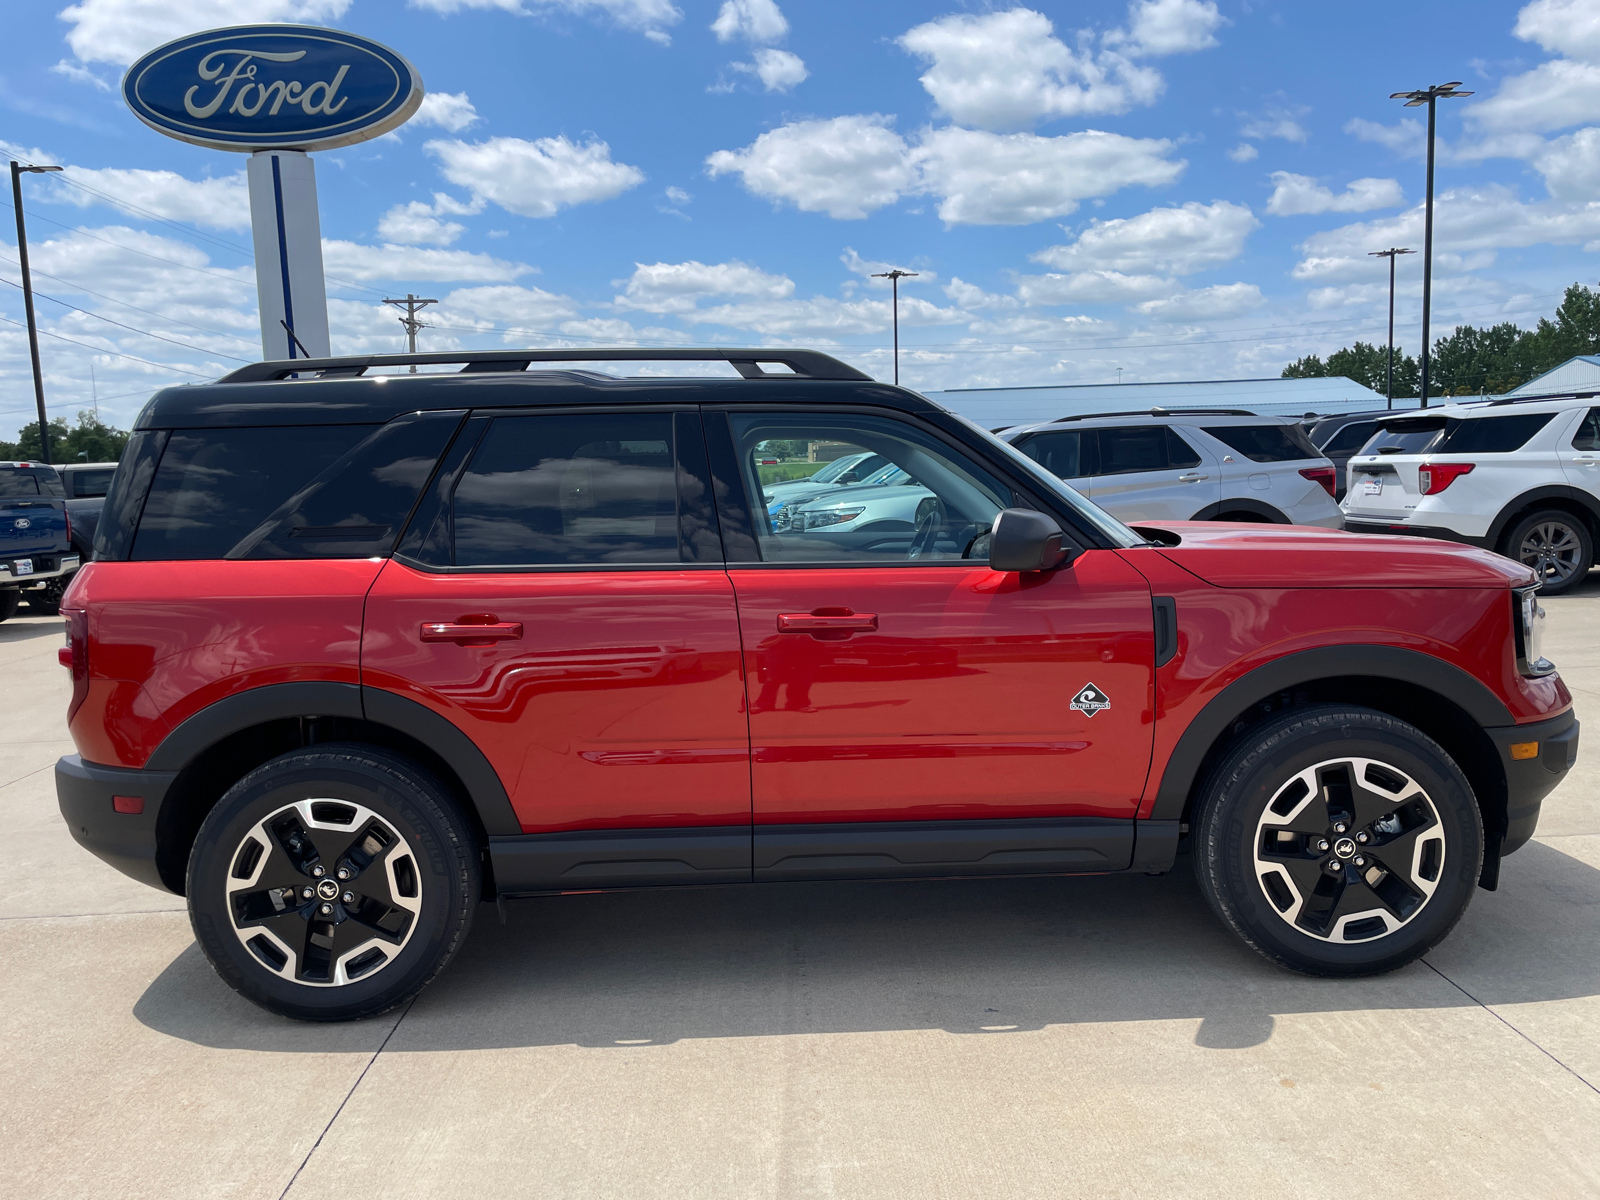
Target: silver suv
[1196, 465]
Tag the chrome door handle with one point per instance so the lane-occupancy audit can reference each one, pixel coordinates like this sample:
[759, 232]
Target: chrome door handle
[1190, 478]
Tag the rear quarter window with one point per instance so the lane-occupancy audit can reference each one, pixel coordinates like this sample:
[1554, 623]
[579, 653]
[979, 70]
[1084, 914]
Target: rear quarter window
[1266, 443]
[15, 485]
[1350, 438]
[90, 483]
[1491, 435]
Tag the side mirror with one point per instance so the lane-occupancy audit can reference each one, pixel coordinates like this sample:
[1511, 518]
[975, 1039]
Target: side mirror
[1023, 540]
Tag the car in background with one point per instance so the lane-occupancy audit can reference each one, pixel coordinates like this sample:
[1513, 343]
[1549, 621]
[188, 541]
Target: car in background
[889, 501]
[1521, 477]
[1196, 465]
[1342, 435]
[37, 560]
[841, 472]
[86, 485]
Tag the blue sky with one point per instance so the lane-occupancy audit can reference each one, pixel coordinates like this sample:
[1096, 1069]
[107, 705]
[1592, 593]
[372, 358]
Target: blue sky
[1179, 188]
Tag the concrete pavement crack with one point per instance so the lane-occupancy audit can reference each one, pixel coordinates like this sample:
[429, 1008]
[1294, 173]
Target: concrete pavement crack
[293, 1178]
[1511, 1027]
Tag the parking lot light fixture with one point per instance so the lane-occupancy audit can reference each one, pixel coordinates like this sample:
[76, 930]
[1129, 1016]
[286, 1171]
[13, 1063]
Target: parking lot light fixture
[1391, 254]
[1429, 96]
[894, 277]
[17, 172]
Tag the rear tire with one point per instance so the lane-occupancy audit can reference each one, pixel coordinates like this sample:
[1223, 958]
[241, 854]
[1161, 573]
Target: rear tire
[9, 599]
[1556, 544]
[333, 882]
[46, 601]
[1338, 841]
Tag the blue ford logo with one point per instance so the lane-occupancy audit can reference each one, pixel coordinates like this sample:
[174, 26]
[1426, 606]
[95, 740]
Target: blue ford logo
[272, 87]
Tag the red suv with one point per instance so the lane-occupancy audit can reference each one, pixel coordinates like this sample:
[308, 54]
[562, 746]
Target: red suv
[361, 650]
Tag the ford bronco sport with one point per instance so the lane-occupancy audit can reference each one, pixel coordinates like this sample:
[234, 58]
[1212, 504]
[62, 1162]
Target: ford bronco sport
[361, 649]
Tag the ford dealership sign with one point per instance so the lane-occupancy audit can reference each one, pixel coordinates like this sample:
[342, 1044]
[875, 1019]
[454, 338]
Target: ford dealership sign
[272, 87]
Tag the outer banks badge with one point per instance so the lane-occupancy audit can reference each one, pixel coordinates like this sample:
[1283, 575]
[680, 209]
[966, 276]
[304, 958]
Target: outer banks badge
[1090, 700]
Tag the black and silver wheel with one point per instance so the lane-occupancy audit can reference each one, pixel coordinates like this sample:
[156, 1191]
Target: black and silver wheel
[332, 882]
[46, 601]
[1338, 841]
[1556, 545]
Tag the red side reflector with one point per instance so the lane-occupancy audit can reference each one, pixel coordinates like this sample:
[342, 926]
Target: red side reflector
[132, 805]
[64, 656]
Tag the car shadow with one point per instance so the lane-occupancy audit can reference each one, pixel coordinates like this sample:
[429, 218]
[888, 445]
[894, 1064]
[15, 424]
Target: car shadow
[978, 958]
[23, 628]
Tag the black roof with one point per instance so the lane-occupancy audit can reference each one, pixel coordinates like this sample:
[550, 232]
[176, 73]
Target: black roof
[336, 391]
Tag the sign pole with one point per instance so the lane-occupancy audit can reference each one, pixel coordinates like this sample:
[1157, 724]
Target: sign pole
[288, 243]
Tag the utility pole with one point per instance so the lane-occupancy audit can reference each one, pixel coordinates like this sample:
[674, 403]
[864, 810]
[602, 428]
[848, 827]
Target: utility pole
[17, 172]
[1391, 254]
[1416, 99]
[412, 305]
[894, 277]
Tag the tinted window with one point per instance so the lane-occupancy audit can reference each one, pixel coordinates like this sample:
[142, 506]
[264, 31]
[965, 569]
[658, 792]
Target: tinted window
[1180, 453]
[1350, 438]
[91, 483]
[1412, 436]
[15, 484]
[1069, 454]
[1588, 435]
[591, 488]
[1491, 435]
[215, 487]
[1266, 443]
[1136, 448]
[932, 504]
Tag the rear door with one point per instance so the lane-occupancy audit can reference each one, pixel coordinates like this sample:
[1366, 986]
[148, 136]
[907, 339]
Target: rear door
[561, 599]
[1150, 473]
[1581, 457]
[1070, 454]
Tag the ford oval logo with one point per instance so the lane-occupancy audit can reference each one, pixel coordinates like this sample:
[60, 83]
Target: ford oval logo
[22, 523]
[272, 87]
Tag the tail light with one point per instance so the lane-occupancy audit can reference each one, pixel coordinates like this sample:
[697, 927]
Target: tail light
[75, 654]
[1326, 476]
[1435, 477]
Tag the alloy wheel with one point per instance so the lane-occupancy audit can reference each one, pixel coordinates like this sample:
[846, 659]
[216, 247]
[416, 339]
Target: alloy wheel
[324, 892]
[1349, 850]
[1554, 551]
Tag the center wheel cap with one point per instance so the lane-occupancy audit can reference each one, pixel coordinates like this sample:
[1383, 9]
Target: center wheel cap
[329, 890]
[1344, 848]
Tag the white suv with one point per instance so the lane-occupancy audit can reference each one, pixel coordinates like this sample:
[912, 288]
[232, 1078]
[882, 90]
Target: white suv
[1518, 476]
[1196, 465]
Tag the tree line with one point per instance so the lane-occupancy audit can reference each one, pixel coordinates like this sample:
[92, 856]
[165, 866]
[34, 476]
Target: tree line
[90, 440]
[1471, 361]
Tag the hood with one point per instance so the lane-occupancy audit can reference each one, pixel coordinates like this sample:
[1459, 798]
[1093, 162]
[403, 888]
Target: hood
[1298, 556]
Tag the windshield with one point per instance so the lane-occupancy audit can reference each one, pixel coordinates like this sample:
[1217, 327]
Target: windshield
[834, 469]
[1114, 530]
[1411, 436]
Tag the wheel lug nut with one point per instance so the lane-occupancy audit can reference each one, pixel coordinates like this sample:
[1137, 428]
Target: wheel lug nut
[1361, 860]
[1335, 865]
[317, 872]
[344, 872]
[1322, 844]
[326, 909]
[1340, 827]
[306, 893]
[348, 897]
[1362, 837]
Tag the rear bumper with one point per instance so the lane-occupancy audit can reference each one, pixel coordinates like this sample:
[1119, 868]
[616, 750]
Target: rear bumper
[1441, 532]
[1530, 780]
[86, 792]
[45, 567]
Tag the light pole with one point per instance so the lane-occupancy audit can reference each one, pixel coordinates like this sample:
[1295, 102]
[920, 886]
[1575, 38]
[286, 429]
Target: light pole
[17, 172]
[1391, 253]
[1430, 97]
[894, 277]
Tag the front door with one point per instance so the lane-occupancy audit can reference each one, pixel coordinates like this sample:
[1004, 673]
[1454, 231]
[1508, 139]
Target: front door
[562, 601]
[912, 711]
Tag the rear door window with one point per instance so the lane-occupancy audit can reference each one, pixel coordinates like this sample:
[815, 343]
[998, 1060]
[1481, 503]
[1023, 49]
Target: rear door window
[1491, 435]
[1133, 448]
[1588, 435]
[14, 485]
[1266, 443]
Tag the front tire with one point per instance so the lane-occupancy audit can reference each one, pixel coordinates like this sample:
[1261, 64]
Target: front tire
[1557, 545]
[1338, 841]
[332, 882]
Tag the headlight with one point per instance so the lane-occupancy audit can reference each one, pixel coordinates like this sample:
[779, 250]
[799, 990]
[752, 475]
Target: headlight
[784, 518]
[1529, 620]
[831, 516]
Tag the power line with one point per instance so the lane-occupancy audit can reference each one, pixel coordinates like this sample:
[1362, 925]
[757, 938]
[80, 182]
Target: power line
[78, 287]
[130, 328]
[113, 353]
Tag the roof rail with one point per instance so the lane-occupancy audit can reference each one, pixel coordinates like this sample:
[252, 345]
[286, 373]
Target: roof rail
[806, 364]
[1163, 412]
[1535, 399]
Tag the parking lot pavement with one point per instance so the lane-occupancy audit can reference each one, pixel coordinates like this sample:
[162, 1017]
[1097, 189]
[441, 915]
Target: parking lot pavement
[1015, 1038]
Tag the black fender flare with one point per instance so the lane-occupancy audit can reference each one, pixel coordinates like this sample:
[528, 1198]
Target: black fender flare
[1529, 499]
[280, 701]
[1266, 512]
[1308, 666]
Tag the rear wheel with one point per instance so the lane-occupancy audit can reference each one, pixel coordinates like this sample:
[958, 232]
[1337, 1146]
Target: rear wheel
[332, 882]
[1338, 841]
[46, 601]
[1558, 547]
[9, 598]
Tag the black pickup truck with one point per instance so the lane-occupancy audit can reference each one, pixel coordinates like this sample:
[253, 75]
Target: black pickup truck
[37, 558]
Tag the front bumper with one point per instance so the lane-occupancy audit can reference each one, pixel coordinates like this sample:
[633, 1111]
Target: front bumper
[1530, 780]
[45, 567]
[1397, 528]
[87, 792]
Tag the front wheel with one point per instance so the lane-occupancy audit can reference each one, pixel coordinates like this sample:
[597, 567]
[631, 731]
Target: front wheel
[1556, 545]
[1338, 841]
[333, 882]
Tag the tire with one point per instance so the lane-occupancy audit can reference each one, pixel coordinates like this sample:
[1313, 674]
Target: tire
[1556, 544]
[289, 828]
[46, 601]
[9, 599]
[1328, 776]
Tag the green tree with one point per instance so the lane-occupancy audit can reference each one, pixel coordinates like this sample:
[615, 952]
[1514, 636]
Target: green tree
[92, 440]
[1309, 367]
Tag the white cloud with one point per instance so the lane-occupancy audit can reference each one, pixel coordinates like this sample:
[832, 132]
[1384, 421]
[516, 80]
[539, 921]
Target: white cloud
[757, 21]
[1297, 195]
[119, 31]
[1275, 123]
[647, 16]
[849, 166]
[845, 167]
[678, 196]
[1553, 95]
[779, 70]
[504, 305]
[973, 298]
[537, 178]
[1177, 241]
[823, 316]
[1206, 304]
[396, 263]
[451, 111]
[1571, 165]
[80, 74]
[868, 267]
[1093, 287]
[1244, 152]
[1159, 27]
[222, 203]
[678, 287]
[1406, 138]
[1570, 27]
